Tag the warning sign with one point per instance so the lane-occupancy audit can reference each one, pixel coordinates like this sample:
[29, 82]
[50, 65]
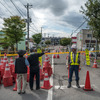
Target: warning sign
[87, 57]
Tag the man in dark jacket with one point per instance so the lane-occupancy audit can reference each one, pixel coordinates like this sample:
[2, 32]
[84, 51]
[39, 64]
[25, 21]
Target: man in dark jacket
[34, 68]
[21, 64]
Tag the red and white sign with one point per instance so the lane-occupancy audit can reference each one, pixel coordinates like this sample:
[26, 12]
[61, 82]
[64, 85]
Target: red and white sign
[74, 39]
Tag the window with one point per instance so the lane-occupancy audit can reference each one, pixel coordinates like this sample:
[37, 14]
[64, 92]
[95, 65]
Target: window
[89, 35]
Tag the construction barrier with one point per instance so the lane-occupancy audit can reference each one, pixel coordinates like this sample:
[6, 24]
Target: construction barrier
[1, 55]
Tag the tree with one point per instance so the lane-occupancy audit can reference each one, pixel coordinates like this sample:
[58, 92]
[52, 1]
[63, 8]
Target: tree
[37, 38]
[48, 42]
[14, 28]
[65, 41]
[92, 15]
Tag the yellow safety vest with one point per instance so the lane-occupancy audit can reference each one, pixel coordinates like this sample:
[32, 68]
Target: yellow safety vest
[72, 61]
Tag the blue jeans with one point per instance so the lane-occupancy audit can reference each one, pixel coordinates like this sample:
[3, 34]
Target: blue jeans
[71, 69]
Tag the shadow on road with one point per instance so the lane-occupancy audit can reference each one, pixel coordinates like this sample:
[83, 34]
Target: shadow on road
[92, 93]
[35, 95]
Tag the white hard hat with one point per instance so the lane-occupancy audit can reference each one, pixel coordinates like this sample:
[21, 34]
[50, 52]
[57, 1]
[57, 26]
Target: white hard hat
[73, 46]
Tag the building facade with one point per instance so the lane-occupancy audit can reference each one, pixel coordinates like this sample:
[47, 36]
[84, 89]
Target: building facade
[85, 39]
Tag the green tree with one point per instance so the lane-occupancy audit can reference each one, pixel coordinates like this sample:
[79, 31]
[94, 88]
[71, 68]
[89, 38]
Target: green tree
[65, 41]
[37, 38]
[14, 28]
[48, 42]
[92, 15]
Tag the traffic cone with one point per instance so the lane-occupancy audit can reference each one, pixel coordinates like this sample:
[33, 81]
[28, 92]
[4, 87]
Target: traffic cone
[4, 65]
[54, 56]
[12, 68]
[7, 78]
[47, 66]
[1, 60]
[0, 77]
[5, 56]
[67, 58]
[58, 56]
[10, 64]
[41, 72]
[28, 73]
[15, 88]
[87, 86]
[46, 84]
[95, 64]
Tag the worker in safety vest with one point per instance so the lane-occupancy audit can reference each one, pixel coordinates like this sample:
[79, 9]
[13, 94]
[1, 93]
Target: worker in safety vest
[73, 65]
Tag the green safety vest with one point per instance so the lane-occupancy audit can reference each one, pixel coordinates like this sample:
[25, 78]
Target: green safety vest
[76, 60]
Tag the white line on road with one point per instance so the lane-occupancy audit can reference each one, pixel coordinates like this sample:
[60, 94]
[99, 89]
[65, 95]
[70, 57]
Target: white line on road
[73, 86]
[50, 92]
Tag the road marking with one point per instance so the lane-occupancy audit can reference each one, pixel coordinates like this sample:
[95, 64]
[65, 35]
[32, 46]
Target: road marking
[50, 92]
[73, 86]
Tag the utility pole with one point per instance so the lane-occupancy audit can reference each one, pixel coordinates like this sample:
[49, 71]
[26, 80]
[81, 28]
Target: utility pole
[41, 32]
[28, 20]
[90, 41]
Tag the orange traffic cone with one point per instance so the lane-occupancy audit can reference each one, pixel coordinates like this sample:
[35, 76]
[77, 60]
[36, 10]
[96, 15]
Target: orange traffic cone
[87, 86]
[4, 65]
[95, 64]
[7, 78]
[12, 68]
[10, 64]
[1, 60]
[5, 57]
[41, 72]
[66, 57]
[28, 73]
[58, 56]
[46, 84]
[47, 66]
[15, 88]
[0, 77]
[54, 56]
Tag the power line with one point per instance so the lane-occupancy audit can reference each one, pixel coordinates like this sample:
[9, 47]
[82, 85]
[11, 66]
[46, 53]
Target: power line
[17, 8]
[33, 28]
[79, 26]
[7, 8]
[31, 23]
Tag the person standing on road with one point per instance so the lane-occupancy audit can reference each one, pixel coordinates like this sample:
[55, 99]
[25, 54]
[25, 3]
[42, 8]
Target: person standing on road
[21, 64]
[73, 65]
[34, 68]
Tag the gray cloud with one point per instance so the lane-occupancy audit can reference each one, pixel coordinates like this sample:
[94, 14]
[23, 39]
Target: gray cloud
[56, 7]
[75, 19]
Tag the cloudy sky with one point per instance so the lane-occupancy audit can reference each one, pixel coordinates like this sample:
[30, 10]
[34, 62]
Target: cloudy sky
[57, 18]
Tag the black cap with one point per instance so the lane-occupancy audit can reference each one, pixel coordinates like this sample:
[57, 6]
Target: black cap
[21, 52]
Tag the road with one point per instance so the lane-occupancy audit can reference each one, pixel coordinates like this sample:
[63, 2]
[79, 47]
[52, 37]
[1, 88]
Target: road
[59, 80]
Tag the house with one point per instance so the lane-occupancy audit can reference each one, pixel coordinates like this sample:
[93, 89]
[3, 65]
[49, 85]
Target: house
[85, 39]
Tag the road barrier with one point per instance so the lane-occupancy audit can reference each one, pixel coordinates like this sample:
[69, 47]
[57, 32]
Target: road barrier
[50, 53]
